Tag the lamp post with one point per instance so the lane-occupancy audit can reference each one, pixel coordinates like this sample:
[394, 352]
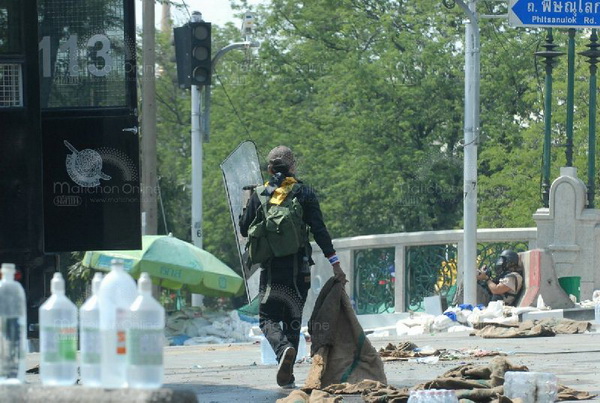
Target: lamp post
[549, 54]
[570, 95]
[593, 54]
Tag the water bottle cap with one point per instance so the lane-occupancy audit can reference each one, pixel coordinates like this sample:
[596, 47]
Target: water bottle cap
[57, 285]
[96, 283]
[8, 271]
[116, 264]
[145, 283]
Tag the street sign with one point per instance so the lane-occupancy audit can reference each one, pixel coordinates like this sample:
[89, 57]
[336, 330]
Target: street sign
[554, 13]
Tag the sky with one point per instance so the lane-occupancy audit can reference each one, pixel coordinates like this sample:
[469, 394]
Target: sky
[218, 12]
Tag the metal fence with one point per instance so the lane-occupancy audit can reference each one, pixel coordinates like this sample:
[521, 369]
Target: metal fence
[395, 272]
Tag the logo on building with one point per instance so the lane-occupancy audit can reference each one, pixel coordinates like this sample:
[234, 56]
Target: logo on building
[85, 167]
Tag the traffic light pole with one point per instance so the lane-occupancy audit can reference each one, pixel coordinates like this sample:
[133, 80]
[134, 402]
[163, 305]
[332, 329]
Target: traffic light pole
[200, 116]
[197, 137]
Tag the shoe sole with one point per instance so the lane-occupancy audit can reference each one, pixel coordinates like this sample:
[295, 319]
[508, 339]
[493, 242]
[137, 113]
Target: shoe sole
[284, 374]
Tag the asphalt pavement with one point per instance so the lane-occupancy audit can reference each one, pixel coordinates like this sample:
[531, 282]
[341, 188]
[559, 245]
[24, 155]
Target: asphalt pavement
[234, 373]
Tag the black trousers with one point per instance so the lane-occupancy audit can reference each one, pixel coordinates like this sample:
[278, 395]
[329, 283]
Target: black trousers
[280, 315]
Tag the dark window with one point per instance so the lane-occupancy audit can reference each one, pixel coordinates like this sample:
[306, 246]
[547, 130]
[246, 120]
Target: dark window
[10, 27]
[11, 85]
[84, 53]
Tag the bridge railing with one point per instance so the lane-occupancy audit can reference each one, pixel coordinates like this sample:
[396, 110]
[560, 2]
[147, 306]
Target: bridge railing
[394, 272]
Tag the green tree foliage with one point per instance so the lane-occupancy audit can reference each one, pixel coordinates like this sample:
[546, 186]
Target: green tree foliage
[173, 145]
[510, 162]
[369, 94]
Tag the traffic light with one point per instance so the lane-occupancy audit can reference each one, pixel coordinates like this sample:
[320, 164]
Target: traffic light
[201, 53]
[193, 54]
[183, 43]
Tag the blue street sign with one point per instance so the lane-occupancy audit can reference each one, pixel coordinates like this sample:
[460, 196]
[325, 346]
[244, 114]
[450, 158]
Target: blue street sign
[554, 13]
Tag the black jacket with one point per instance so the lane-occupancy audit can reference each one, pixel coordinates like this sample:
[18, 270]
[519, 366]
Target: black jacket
[311, 215]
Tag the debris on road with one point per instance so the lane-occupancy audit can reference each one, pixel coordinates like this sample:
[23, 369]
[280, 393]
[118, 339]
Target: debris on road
[481, 383]
[408, 351]
[538, 328]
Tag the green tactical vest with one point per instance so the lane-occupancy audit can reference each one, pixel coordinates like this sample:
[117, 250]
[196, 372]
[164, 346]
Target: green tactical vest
[277, 230]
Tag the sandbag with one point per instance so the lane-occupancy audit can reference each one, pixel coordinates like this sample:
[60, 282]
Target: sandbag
[340, 349]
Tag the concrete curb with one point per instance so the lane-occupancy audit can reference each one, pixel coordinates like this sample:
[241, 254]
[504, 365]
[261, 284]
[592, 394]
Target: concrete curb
[583, 314]
[79, 394]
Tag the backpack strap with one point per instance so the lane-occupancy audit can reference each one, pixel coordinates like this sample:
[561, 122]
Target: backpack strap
[295, 278]
[262, 198]
[265, 297]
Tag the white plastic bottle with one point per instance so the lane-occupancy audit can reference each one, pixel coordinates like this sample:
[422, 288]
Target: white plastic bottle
[267, 355]
[145, 338]
[89, 332]
[413, 398]
[117, 293]
[13, 322]
[302, 353]
[596, 301]
[58, 337]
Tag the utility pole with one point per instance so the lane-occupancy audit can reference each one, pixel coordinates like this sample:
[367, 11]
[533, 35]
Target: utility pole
[165, 19]
[148, 146]
[471, 139]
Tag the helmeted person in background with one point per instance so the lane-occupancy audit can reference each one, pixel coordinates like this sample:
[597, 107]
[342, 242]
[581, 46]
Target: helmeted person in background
[503, 282]
[285, 281]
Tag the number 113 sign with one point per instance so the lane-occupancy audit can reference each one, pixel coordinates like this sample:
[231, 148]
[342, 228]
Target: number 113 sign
[96, 51]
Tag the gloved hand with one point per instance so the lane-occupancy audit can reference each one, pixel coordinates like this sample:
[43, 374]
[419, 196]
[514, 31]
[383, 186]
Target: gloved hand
[339, 274]
[482, 275]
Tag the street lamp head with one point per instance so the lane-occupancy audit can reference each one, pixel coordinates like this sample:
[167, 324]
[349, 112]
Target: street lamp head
[196, 16]
[248, 23]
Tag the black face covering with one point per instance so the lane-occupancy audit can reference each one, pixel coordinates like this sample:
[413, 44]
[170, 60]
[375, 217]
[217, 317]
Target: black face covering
[275, 181]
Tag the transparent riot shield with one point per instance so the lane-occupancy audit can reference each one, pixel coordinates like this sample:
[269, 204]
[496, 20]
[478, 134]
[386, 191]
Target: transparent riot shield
[241, 173]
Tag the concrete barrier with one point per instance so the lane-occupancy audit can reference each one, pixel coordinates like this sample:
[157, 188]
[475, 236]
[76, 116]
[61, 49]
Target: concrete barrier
[540, 279]
[80, 394]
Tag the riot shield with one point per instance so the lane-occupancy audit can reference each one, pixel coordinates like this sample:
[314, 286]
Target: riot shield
[241, 173]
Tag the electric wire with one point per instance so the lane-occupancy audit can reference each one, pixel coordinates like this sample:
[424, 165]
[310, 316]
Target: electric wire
[233, 107]
[162, 205]
[187, 9]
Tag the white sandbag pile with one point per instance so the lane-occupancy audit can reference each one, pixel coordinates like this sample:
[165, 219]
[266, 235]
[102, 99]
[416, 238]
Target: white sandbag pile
[192, 326]
[455, 319]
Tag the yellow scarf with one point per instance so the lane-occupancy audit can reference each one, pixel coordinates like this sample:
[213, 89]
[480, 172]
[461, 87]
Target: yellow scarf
[282, 191]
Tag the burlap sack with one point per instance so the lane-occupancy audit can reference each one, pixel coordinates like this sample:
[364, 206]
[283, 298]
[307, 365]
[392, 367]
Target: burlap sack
[340, 349]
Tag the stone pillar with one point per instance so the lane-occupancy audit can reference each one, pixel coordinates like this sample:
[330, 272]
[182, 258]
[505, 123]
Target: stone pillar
[400, 280]
[570, 231]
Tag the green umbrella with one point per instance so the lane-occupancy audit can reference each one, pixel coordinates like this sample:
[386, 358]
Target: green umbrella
[173, 263]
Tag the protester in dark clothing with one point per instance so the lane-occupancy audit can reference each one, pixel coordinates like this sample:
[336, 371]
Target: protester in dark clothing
[504, 282]
[285, 281]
